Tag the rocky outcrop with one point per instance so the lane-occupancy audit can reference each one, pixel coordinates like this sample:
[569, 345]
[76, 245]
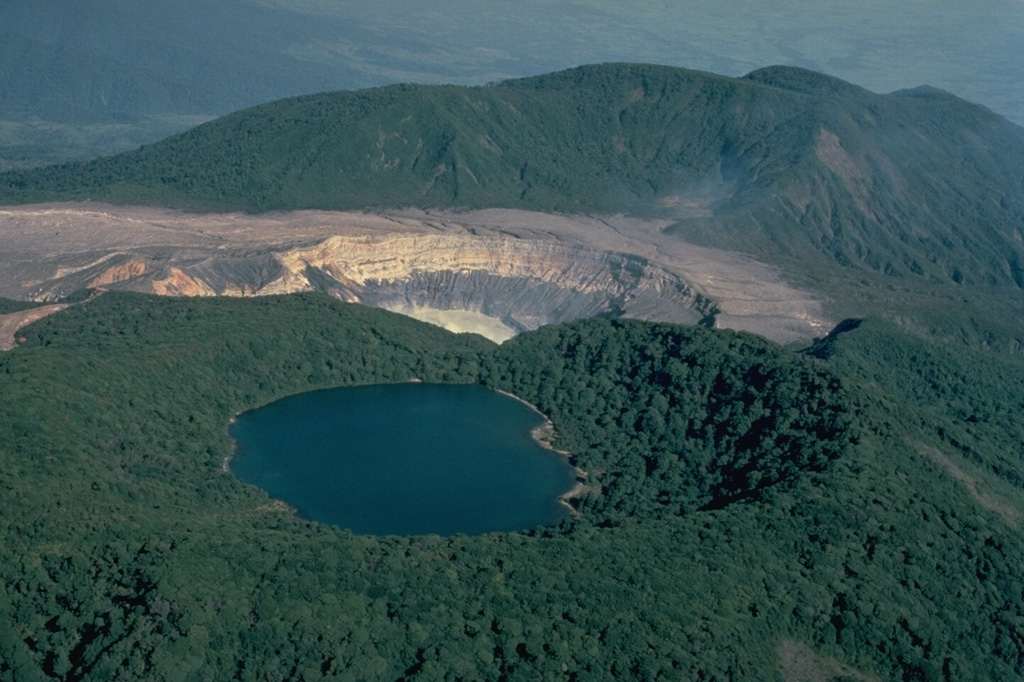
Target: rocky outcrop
[124, 272]
[467, 271]
[524, 283]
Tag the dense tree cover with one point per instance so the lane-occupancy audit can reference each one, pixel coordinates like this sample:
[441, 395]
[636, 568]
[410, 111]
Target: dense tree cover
[785, 163]
[129, 553]
[964, 400]
[680, 419]
[10, 306]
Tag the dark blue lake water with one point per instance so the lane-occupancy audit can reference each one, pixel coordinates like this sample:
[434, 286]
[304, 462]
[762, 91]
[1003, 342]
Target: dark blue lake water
[404, 459]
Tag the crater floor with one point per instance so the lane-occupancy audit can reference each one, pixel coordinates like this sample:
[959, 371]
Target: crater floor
[507, 270]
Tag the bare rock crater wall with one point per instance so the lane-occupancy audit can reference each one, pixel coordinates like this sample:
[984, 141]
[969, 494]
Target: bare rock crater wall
[524, 269]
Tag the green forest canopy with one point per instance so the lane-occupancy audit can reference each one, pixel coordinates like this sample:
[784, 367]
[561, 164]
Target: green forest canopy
[751, 499]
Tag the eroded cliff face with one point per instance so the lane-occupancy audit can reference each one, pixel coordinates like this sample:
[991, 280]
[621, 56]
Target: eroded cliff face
[513, 269]
[524, 283]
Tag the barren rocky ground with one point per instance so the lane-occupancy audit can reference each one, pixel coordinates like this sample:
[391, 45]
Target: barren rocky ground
[48, 251]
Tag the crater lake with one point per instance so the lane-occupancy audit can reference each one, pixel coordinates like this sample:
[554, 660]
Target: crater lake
[404, 459]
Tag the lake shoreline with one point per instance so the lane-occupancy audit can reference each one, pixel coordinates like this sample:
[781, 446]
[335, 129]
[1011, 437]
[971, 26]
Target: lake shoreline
[225, 465]
[544, 435]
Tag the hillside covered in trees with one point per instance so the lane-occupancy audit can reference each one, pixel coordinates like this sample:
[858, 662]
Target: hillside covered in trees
[854, 508]
[786, 164]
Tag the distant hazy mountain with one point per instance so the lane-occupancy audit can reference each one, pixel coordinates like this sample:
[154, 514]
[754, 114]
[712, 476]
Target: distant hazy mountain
[81, 78]
[138, 59]
[784, 163]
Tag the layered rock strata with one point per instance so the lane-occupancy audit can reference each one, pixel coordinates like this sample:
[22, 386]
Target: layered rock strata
[524, 283]
[464, 270]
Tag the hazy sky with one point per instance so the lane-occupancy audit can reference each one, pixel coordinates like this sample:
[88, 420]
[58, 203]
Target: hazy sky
[974, 49]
